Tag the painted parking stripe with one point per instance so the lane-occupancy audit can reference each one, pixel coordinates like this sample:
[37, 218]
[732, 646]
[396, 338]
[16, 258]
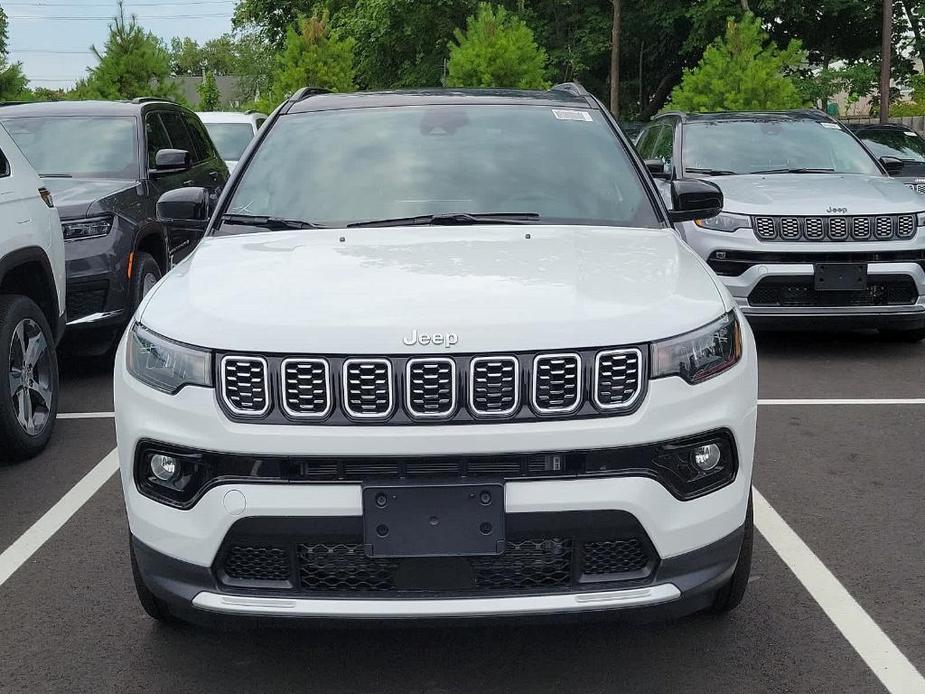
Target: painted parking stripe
[882, 656]
[842, 401]
[17, 554]
[86, 415]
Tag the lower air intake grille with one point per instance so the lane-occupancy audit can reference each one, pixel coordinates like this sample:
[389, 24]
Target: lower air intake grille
[368, 391]
[431, 387]
[244, 385]
[306, 388]
[257, 563]
[884, 291]
[84, 302]
[494, 385]
[616, 382]
[556, 383]
[614, 557]
[343, 568]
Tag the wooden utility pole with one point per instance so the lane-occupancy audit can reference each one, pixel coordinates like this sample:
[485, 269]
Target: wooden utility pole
[886, 49]
[615, 62]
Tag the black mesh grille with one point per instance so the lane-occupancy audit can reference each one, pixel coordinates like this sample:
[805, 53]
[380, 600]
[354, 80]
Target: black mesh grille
[789, 228]
[341, 568]
[917, 187]
[557, 382]
[84, 302]
[905, 227]
[256, 563]
[368, 387]
[882, 228]
[860, 229]
[801, 292]
[764, 228]
[306, 387]
[814, 229]
[613, 557]
[494, 385]
[244, 382]
[539, 563]
[431, 387]
[617, 378]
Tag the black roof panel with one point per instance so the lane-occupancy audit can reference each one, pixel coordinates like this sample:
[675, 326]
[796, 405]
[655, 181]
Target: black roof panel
[420, 97]
[800, 114]
[77, 108]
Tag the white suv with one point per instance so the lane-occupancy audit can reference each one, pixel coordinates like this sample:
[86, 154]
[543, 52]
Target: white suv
[31, 306]
[439, 354]
[231, 132]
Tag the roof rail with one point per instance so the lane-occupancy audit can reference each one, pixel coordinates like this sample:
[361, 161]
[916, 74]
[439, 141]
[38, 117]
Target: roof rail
[17, 103]
[573, 88]
[148, 99]
[306, 92]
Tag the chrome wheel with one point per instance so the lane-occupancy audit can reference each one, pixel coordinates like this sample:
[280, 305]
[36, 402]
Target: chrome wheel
[31, 380]
[147, 284]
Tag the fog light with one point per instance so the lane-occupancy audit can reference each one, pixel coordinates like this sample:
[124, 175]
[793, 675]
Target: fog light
[164, 467]
[706, 457]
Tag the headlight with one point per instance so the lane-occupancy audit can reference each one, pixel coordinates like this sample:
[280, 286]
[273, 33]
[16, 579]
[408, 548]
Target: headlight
[700, 354]
[86, 228]
[920, 219]
[166, 365]
[725, 221]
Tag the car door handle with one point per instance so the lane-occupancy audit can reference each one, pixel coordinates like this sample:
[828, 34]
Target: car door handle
[214, 175]
[188, 183]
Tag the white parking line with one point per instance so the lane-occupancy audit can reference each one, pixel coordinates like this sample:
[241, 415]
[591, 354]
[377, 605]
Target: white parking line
[45, 527]
[882, 656]
[86, 415]
[843, 401]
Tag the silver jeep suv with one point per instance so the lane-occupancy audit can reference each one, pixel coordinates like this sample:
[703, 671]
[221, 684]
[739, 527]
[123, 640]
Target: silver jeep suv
[813, 227]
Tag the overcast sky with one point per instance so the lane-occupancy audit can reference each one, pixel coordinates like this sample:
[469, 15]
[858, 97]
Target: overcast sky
[52, 38]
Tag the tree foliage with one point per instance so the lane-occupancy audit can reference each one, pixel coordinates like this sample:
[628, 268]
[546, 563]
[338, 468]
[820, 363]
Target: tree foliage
[133, 63]
[496, 50]
[313, 56]
[13, 83]
[209, 97]
[742, 71]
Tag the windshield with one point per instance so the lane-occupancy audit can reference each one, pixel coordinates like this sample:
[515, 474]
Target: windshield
[337, 167]
[902, 144]
[750, 146]
[231, 139]
[78, 146]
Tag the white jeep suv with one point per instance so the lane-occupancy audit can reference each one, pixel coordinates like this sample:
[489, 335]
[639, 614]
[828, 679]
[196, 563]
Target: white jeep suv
[439, 354]
[32, 306]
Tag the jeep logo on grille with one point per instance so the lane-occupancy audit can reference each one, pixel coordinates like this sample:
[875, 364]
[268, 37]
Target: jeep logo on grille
[423, 339]
[837, 210]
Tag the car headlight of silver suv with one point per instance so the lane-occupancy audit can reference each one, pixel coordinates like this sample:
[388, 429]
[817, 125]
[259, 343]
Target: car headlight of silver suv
[91, 228]
[725, 221]
[700, 354]
[164, 364]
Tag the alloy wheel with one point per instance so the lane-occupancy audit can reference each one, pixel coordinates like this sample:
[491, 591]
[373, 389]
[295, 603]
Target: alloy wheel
[31, 388]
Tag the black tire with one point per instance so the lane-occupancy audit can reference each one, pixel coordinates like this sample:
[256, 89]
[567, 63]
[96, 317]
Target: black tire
[145, 274]
[730, 595]
[155, 608]
[899, 335]
[23, 321]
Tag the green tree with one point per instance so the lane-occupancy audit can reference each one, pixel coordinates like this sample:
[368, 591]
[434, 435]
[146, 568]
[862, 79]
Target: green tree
[312, 57]
[209, 96]
[496, 50]
[13, 83]
[133, 63]
[741, 71]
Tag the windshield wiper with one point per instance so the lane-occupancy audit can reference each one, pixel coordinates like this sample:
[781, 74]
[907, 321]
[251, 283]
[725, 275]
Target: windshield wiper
[55, 175]
[799, 170]
[272, 223]
[712, 172]
[451, 219]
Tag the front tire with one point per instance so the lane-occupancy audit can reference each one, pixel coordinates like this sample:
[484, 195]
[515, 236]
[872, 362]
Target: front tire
[155, 608]
[28, 379]
[730, 595]
[145, 274]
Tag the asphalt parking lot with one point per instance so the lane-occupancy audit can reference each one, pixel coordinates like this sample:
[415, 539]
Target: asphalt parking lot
[836, 601]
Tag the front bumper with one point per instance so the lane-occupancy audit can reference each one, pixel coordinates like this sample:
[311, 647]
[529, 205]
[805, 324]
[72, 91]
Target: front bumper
[97, 281]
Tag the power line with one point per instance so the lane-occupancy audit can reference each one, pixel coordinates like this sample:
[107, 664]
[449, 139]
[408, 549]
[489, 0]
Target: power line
[48, 50]
[146, 18]
[109, 4]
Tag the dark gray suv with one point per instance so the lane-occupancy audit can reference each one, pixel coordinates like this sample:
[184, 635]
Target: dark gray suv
[107, 163]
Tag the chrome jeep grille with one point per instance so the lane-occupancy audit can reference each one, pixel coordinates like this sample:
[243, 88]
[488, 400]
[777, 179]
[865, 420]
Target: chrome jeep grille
[430, 388]
[244, 385]
[447, 388]
[556, 385]
[841, 228]
[306, 386]
[368, 388]
[616, 378]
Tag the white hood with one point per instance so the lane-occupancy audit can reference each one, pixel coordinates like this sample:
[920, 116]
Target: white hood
[817, 194]
[497, 290]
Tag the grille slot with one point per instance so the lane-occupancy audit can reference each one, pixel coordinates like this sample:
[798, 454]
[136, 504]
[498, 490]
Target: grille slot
[244, 385]
[556, 383]
[789, 228]
[605, 557]
[860, 228]
[430, 387]
[306, 388]
[883, 228]
[905, 227]
[368, 388]
[494, 386]
[616, 378]
[764, 228]
[257, 563]
[814, 229]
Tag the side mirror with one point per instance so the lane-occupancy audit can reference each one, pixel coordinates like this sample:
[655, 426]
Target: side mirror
[172, 161]
[656, 168]
[893, 166]
[694, 199]
[184, 208]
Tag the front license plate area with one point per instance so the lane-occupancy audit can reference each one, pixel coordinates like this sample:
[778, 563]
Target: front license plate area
[841, 277]
[439, 520]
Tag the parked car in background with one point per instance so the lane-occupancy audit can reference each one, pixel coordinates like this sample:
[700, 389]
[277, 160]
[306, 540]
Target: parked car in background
[32, 301]
[106, 164]
[232, 132]
[813, 228]
[455, 381]
[900, 142]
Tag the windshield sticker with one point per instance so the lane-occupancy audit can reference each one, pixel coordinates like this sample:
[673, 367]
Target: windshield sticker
[909, 133]
[834, 126]
[568, 114]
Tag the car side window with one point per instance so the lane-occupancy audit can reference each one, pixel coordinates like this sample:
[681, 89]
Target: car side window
[664, 145]
[179, 135]
[4, 165]
[155, 136]
[645, 145]
[200, 138]
[260, 122]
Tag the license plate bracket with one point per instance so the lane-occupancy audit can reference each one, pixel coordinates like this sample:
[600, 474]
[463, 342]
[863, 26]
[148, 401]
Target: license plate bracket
[433, 520]
[840, 277]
